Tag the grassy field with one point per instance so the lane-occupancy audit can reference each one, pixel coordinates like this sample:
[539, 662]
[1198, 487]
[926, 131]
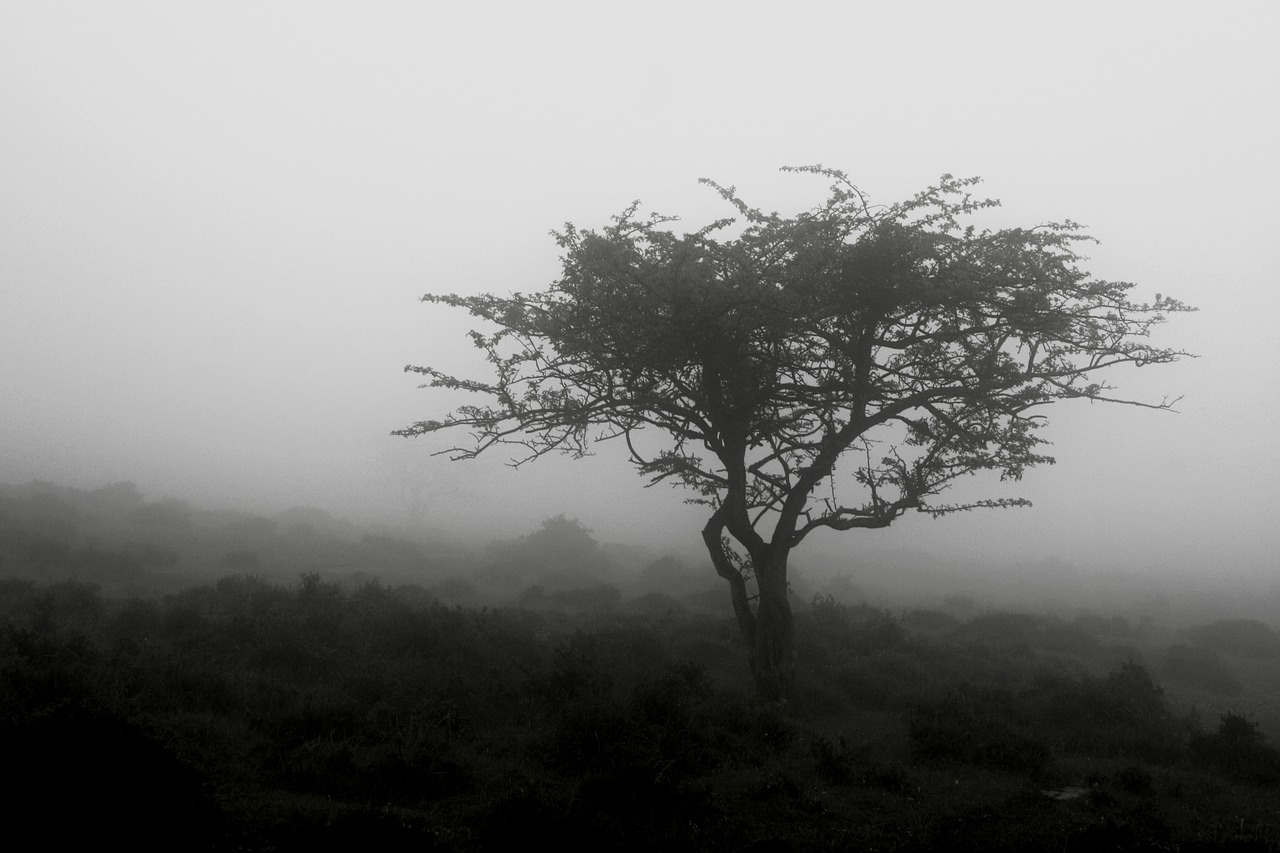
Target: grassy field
[180, 678]
[253, 715]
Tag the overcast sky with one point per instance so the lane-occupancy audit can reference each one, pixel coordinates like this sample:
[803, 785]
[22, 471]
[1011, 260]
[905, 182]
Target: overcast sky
[216, 220]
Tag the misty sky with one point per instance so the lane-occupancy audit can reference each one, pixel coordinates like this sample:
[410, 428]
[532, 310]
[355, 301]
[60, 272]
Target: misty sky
[216, 220]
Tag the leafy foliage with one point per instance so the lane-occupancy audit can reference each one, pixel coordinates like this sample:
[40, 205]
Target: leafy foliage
[798, 338]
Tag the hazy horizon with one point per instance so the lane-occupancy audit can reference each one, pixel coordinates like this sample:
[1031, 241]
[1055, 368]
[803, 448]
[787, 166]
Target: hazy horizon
[218, 222]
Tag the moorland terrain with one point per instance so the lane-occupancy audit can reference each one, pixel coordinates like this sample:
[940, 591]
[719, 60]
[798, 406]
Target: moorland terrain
[185, 678]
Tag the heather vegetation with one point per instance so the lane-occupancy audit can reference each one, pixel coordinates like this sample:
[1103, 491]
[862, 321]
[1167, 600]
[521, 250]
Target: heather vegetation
[277, 705]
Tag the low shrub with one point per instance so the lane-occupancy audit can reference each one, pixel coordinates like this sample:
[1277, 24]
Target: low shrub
[831, 629]
[837, 762]
[972, 726]
[1122, 715]
[1240, 750]
[1001, 634]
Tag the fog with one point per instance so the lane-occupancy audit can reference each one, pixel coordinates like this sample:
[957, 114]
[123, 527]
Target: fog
[216, 221]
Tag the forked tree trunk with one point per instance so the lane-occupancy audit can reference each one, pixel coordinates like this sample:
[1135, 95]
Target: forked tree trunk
[767, 628]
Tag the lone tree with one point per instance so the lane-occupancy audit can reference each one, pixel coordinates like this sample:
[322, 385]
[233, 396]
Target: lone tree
[763, 350]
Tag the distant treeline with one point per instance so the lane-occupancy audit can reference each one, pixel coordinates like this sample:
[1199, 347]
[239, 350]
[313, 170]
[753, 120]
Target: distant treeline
[127, 545]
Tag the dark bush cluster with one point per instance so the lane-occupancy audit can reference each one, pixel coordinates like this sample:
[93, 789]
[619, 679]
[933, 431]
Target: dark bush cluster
[1000, 634]
[1240, 750]
[837, 762]
[977, 726]
[833, 627]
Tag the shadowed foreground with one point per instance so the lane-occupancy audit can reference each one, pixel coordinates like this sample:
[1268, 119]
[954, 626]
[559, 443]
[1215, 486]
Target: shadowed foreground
[252, 716]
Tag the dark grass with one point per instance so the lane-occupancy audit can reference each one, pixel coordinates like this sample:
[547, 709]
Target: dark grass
[250, 716]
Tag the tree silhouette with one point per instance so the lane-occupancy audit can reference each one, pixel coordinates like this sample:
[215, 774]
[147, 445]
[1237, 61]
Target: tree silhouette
[763, 350]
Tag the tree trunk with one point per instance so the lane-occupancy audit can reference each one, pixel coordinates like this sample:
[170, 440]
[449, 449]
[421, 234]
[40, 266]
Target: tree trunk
[773, 663]
[768, 630]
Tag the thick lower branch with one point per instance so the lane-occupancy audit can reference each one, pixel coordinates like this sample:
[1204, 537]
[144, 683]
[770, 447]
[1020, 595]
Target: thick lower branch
[711, 535]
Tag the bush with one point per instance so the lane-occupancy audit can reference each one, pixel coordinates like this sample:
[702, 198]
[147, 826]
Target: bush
[656, 604]
[1201, 668]
[670, 576]
[660, 726]
[1001, 634]
[77, 755]
[1126, 697]
[577, 672]
[832, 629]
[1129, 695]
[16, 596]
[1239, 749]
[838, 763]
[891, 679]
[454, 590]
[1120, 715]
[1243, 637]
[72, 604]
[971, 726]
[137, 620]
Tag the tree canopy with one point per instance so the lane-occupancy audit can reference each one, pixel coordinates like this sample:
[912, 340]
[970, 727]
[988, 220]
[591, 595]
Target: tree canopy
[900, 341]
